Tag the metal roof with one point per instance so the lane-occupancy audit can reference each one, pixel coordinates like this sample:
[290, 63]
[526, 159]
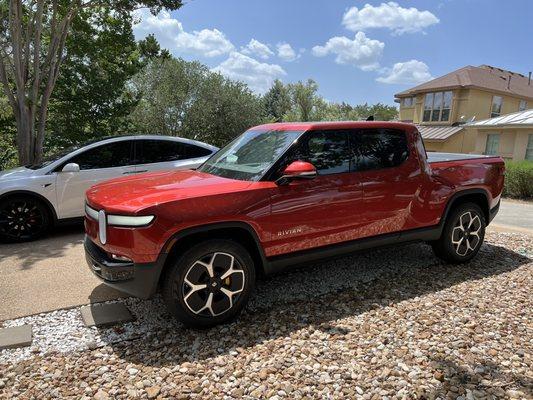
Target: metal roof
[432, 132]
[518, 118]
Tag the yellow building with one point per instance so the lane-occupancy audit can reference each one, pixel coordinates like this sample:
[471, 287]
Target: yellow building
[443, 106]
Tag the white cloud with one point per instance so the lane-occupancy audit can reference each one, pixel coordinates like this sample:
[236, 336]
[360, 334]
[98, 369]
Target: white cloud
[361, 51]
[258, 75]
[388, 15]
[171, 35]
[256, 48]
[409, 72]
[286, 52]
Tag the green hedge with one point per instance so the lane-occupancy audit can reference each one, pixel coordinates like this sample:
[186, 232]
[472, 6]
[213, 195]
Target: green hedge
[518, 179]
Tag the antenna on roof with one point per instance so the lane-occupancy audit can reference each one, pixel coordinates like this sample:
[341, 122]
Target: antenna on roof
[370, 118]
[509, 82]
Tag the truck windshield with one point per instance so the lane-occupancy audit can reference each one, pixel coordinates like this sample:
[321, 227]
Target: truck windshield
[249, 156]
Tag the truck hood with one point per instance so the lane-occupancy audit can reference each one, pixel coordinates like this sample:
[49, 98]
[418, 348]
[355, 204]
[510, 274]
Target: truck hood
[135, 193]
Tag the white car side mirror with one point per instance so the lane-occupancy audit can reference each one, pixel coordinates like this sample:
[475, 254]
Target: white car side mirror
[71, 167]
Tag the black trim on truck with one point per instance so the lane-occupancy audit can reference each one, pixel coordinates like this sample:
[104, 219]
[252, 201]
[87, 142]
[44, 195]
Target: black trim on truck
[139, 280]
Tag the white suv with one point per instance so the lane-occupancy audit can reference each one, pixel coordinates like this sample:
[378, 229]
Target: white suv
[33, 198]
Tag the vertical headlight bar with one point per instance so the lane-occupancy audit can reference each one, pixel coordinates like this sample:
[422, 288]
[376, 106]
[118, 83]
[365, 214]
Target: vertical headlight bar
[102, 226]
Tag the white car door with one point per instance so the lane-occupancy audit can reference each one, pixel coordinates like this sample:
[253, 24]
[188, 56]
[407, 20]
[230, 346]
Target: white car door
[160, 154]
[107, 161]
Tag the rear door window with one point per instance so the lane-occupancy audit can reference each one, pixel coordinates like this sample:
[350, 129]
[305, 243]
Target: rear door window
[158, 151]
[378, 148]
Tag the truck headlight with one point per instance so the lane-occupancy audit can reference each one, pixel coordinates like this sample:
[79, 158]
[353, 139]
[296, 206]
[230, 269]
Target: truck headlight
[126, 220]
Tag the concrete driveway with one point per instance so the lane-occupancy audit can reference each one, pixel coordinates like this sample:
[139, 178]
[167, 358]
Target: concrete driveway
[48, 274]
[51, 273]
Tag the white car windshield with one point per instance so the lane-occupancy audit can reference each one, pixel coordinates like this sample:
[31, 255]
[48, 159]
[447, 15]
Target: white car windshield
[250, 155]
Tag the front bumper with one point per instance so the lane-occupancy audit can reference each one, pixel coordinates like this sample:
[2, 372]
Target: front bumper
[138, 280]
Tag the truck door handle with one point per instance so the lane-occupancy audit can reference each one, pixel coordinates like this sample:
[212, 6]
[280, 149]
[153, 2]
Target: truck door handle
[134, 172]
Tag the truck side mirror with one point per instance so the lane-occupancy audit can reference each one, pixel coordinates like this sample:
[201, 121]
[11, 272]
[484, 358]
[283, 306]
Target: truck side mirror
[71, 167]
[297, 170]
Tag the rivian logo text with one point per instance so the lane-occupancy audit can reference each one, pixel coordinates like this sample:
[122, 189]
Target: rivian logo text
[292, 231]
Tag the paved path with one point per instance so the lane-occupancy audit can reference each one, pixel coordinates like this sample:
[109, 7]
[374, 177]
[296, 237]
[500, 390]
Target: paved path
[47, 274]
[51, 273]
[514, 216]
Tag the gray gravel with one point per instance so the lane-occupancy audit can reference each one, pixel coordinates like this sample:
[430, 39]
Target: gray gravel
[392, 323]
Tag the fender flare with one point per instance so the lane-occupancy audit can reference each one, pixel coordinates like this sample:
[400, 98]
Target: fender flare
[213, 227]
[457, 196]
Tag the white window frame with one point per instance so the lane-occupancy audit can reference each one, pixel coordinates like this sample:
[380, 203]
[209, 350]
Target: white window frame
[494, 114]
[496, 151]
[411, 102]
[522, 106]
[529, 148]
[432, 108]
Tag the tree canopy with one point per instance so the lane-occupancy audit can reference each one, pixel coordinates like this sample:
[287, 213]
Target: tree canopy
[33, 36]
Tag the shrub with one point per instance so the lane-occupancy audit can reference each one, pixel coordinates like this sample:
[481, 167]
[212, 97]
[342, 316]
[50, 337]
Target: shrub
[518, 179]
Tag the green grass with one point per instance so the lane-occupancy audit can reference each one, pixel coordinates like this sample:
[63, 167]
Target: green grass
[518, 179]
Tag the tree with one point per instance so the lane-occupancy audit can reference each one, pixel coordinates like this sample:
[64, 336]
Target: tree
[304, 96]
[166, 88]
[185, 98]
[223, 110]
[150, 49]
[277, 101]
[33, 35]
[91, 98]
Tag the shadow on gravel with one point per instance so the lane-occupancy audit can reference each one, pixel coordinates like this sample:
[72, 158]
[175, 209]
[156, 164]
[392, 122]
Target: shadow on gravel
[482, 379]
[313, 296]
[52, 246]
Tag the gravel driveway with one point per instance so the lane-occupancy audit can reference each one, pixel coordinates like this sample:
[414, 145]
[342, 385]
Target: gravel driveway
[392, 323]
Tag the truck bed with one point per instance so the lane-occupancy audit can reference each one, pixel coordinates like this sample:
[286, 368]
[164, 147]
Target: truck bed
[434, 157]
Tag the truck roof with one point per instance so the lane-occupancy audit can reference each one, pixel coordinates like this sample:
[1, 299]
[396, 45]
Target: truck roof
[335, 125]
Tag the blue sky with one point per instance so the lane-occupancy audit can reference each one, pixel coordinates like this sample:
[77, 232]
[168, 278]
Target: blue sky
[357, 51]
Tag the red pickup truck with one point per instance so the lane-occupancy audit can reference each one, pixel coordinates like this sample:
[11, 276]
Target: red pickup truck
[280, 195]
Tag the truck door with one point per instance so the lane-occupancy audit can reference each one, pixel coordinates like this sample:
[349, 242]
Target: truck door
[391, 178]
[321, 211]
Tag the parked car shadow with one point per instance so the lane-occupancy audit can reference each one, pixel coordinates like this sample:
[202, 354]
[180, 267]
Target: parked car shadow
[313, 296]
[54, 245]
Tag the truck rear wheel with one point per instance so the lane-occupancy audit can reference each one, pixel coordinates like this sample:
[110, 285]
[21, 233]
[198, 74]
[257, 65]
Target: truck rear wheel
[210, 283]
[462, 236]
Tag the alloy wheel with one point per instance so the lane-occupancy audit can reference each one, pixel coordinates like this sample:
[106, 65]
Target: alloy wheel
[213, 284]
[466, 233]
[21, 219]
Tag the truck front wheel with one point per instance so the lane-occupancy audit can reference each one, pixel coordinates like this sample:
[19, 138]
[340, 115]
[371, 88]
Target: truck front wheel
[462, 236]
[210, 283]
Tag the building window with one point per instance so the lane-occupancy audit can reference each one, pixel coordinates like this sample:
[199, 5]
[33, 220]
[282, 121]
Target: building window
[493, 144]
[529, 148]
[496, 108]
[522, 106]
[437, 106]
[408, 101]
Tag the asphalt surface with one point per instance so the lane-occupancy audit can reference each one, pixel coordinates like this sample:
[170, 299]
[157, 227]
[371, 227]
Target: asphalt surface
[51, 273]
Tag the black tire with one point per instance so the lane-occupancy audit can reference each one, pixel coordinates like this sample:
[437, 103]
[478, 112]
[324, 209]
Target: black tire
[23, 218]
[462, 236]
[186, 302]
